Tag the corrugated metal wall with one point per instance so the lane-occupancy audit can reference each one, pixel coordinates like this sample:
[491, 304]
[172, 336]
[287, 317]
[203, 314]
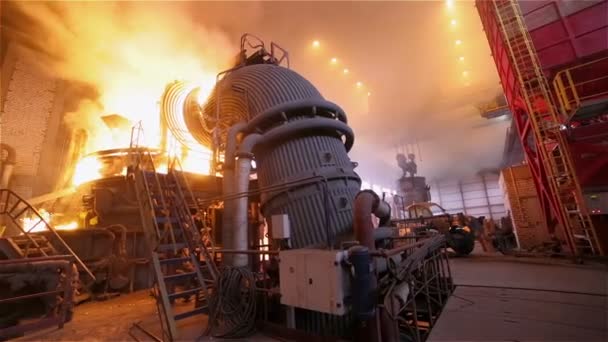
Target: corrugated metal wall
[475, 196]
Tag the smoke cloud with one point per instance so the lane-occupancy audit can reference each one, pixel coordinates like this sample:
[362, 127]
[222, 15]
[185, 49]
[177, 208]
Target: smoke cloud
[127, 52]
[404, 54]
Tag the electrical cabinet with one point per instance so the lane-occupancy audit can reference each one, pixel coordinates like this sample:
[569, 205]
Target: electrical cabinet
[314, 280]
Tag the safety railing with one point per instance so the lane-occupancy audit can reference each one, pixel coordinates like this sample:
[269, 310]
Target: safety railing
[580, 83]
[416, 289]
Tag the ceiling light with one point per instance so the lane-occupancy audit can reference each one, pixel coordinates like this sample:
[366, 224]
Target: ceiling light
[461, 58]
[453, 22]
[458, 42]
[316, 44]
[334, 60]
[345, 71]
[359, 84]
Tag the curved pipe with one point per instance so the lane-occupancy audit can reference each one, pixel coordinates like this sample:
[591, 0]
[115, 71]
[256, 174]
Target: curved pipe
[362, 220]
[268, 114]
[383, 212]
[367, 202]
[6, 167]
[11, 155]
[231, 143]
[315, 124]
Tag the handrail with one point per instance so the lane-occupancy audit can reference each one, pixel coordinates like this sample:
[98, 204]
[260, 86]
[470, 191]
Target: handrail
[565, 87]
[15, 218]
[137, 132]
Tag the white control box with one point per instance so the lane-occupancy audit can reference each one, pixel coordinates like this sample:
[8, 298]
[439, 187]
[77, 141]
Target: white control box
[280, 226]
[314, 279]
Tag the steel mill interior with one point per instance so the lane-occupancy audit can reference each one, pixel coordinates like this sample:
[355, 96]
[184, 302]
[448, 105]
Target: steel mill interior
[304, 171]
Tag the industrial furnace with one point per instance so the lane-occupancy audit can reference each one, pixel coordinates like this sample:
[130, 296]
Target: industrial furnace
[276, 235]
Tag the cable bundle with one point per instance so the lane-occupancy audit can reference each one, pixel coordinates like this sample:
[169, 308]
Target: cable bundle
[234, 304]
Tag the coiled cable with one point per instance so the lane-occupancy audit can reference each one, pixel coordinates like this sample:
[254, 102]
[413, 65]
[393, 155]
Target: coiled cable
[233, 303]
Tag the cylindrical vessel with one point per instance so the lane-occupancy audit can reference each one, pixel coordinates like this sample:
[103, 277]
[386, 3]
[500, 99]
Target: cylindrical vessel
[302, 155]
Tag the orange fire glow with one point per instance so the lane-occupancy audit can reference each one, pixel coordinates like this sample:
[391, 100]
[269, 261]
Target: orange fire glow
[34, 225]
[127, 53]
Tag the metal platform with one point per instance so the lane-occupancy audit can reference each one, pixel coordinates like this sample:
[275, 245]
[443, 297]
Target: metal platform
[589, 109]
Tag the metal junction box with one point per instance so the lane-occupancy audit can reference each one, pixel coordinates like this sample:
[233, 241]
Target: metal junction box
[314, 280]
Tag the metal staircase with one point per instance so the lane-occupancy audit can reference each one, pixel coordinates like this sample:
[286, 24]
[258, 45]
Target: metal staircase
[566, 195]
[29, 244]
[182, 264]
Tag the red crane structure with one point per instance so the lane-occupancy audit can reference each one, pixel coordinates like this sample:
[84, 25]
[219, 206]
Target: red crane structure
[552, 60]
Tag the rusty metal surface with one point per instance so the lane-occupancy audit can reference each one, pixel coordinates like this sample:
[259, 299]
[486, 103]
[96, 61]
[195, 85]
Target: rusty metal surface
[65, 282]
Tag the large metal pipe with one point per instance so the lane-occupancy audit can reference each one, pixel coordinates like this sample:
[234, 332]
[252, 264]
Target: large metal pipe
[271, 114]
[362, 221]
[367, 203]
[315, 124]
[228, 186]
[240, 238]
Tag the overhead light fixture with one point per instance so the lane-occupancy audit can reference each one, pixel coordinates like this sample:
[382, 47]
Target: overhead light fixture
[465, 73]
[369, 93]
[461, 58]
[458, 41]
[359, 84]
[316, 44]
[345, 71]
[453, 22]
[334, 60]
[449, 4]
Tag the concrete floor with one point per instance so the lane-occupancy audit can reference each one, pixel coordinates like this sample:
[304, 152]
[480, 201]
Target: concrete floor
[499, 298]
[492, 314]
[111, 320]
[510, 299]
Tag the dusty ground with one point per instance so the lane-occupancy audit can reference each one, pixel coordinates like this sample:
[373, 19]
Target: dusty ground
[111, 320]
[492, 303]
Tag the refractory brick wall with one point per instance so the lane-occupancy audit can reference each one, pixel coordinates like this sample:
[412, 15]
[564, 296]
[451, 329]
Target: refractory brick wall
[521, 199]
[24, 120]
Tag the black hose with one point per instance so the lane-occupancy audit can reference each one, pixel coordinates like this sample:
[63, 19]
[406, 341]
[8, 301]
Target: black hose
[233, 303]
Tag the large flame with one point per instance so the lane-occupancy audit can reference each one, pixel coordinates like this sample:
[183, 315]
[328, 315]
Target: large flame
[127, 52]
[34, 225]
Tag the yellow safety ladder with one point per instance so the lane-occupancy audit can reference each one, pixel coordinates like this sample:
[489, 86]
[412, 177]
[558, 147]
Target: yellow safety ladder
[552, 146]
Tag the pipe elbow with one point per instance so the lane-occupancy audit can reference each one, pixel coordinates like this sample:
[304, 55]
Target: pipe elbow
[231, 143]
[367, 202]
[247, 145]
[11, 154]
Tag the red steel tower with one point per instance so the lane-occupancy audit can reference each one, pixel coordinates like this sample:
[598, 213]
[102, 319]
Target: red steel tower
[552, 60]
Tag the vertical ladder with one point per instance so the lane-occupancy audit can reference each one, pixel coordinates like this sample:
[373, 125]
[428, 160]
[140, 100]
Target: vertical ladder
[172, 240]
[552, 146]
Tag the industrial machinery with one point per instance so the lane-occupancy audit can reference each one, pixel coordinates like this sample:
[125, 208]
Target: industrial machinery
[552, 59]
[428, 218]
[278, 237]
